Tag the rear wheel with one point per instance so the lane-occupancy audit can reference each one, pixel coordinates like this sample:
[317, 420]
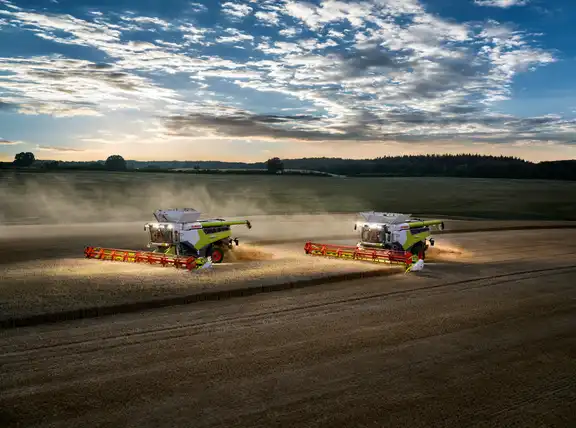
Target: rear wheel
[217, 254]
[419, 251]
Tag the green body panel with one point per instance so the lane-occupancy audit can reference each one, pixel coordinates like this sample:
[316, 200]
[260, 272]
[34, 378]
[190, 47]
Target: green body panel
[422, 236]
[414, 239]
[211, 238]
[171, 250]
[206, 240]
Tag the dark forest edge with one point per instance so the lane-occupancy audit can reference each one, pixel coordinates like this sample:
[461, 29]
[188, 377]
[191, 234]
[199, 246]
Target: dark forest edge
[463, 165]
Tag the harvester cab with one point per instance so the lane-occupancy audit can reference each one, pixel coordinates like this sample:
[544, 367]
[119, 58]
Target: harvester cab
[178, 238]
[396, 232]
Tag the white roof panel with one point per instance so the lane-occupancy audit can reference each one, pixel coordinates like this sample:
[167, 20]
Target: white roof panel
[177, 215]
[384, 217]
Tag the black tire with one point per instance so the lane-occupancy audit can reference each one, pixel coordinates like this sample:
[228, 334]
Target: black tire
[418, 249]
[217, 254]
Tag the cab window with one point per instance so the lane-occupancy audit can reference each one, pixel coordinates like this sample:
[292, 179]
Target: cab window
[374, 236]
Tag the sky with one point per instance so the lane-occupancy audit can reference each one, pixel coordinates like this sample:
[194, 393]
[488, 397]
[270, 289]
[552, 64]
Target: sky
[248, 80]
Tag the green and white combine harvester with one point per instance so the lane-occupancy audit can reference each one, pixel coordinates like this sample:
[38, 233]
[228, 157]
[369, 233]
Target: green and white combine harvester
[392, 238]
[178, 238]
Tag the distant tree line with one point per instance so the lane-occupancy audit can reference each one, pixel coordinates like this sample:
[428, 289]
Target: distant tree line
[28, 159]
[463, 165]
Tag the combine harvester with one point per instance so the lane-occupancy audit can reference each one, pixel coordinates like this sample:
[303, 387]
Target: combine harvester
[385, 238]
[179, 239]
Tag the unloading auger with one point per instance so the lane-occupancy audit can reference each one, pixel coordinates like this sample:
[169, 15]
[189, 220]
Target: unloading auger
[391, 238]
[178, 238]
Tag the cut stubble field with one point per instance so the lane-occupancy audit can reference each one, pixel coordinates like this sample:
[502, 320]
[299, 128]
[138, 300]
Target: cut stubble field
[482, 337]
[50, 217]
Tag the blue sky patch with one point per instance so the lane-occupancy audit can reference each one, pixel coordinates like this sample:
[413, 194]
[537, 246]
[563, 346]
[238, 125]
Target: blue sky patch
[170, 79]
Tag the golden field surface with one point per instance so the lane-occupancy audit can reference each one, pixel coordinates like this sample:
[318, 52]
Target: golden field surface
[483, 336]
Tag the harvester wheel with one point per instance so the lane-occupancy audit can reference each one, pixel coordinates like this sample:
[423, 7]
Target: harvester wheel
[419, 250]
[217, 254]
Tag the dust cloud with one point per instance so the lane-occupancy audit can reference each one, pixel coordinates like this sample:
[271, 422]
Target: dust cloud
[88, 204]
[60, 200]
[249, 253]
[109, 209]
[446, 251]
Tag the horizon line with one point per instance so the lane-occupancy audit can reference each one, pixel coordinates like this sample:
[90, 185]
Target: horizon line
[304, 158]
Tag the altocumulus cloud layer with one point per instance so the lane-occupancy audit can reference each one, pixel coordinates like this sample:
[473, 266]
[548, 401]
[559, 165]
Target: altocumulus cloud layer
[372, 70]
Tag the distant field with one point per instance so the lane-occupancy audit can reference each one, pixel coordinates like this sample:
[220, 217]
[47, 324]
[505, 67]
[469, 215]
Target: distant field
[105, 196]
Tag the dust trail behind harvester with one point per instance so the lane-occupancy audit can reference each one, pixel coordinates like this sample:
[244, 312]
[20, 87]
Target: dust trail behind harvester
[55, 216]
[85, 197]
[109, 209]
[66, 202]
[446, 252]
[64, 212]
[249, 252]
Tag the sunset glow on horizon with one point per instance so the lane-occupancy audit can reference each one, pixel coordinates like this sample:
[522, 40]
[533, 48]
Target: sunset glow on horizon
[248, 80]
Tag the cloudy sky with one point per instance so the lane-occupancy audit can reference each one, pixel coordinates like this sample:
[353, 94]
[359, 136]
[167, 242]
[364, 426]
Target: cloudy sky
[246, 80]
